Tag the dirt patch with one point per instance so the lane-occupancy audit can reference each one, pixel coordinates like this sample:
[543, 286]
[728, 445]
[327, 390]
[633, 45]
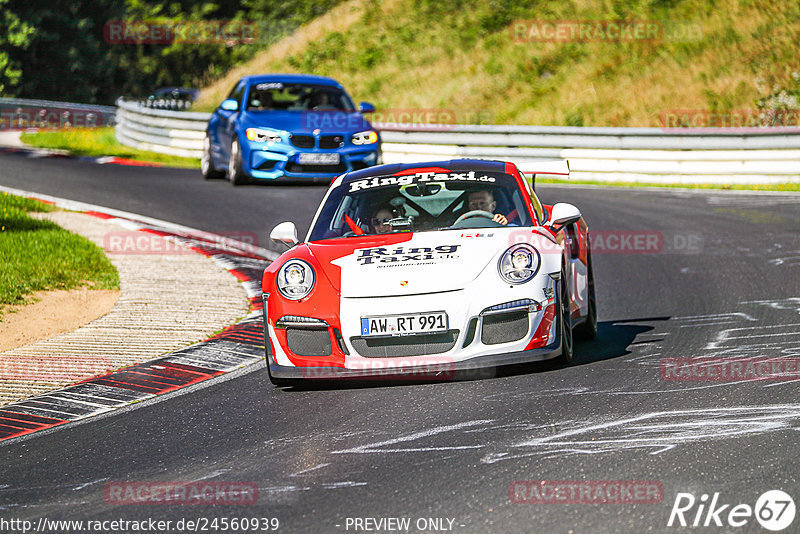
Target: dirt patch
[53, 313]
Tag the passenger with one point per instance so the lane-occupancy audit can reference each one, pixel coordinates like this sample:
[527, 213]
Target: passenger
[380, 220]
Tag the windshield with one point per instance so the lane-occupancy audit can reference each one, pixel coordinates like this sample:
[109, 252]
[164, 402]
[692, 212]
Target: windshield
[279, 96]
[421, 202]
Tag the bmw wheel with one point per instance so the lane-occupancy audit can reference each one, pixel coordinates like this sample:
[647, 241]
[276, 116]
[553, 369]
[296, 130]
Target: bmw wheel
[207, 163]
[235, 173]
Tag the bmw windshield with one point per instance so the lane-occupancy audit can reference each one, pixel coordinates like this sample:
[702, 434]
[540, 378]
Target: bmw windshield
[279, 96]
[421, 202]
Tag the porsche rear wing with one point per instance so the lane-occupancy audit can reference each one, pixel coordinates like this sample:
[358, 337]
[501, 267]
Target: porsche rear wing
[555, 168]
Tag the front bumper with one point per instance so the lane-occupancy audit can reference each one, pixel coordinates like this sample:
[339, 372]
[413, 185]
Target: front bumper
[265, 161]
[470, 353]
[473, 368]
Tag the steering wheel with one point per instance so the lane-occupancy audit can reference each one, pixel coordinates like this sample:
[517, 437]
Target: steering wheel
[474, 213]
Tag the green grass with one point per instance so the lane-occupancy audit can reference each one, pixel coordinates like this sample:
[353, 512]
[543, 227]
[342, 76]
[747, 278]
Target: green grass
[38, 255]
[101, 142]
[464, 56]
[790, 187]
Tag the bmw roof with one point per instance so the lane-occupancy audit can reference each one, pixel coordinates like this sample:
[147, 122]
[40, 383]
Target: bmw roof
[291, 78]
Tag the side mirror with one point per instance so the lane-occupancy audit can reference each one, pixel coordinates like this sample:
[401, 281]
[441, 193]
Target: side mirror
[562, 215]
[285, 233]
[366, 107]
[229, 105]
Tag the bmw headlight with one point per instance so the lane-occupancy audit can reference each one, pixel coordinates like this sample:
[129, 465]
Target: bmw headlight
[262, 136]
[519, 264]
[365, 138]
[295, 279]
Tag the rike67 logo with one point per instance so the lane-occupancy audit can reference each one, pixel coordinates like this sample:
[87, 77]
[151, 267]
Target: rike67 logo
[774, 510]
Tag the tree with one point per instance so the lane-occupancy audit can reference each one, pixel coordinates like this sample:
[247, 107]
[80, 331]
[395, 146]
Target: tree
[14, 34]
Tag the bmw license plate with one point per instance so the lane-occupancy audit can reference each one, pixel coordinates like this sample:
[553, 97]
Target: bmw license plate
[312, 158]
[398, 325]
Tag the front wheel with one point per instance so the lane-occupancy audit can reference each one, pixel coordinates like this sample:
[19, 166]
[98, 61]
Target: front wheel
[207, 163]
[587, 330]
[565, 320]
[235, 173]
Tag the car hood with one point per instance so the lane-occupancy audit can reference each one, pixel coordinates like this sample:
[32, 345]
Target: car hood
[307, 121]
[409, 264]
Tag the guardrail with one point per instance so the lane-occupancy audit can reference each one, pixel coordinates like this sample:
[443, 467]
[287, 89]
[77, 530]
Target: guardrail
[669, 155]
[179, 133]
[170, 104]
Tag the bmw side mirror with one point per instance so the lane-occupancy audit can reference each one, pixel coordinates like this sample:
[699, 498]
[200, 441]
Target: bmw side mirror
[366, 107]
[562, 215]
[229, 105]
[285, 234]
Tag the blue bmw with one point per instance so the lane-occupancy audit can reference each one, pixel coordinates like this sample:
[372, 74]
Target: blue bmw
[290, 127]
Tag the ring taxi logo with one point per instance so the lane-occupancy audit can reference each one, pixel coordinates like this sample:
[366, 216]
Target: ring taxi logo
[403, 255]
[774, 510]
[420, 177]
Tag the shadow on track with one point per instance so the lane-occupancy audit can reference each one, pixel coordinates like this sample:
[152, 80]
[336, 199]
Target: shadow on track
[612, 341]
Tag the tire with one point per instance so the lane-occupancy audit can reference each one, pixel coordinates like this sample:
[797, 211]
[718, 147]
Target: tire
[236, 175]
[564, 323]
[207, 162]
[587, 330]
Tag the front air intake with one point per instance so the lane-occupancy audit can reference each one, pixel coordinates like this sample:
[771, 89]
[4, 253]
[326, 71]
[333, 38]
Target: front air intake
[308, 342]
[504, 327]
[404, 346]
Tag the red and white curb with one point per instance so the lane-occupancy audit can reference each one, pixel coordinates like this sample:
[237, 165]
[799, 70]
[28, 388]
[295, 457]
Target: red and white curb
[236, 347]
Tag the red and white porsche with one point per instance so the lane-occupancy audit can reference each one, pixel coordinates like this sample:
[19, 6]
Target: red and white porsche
[428, 270]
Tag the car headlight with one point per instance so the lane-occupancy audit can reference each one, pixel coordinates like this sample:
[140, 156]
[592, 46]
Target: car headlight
[519, 264]
[365, 138]
[262, 136]
[295, 279]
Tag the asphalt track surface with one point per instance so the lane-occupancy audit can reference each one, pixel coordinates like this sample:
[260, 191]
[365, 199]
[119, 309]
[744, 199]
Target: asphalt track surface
[725, 284]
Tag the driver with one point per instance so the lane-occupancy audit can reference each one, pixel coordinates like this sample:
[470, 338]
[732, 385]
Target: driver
[320, 101]
[483, 200]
